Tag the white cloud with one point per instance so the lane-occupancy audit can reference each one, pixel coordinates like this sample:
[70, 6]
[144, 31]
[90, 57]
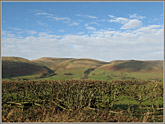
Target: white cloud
[136, 16]
[149, 29]
[131, 24]
[111, 16]
[60, 18]
[145, 43]
[126, 22]
[87, 16]
[119, 20]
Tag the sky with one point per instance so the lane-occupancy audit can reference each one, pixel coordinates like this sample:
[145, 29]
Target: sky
[98, 30]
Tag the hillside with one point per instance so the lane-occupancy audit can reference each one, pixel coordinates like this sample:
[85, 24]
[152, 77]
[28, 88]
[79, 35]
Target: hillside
[50, 62]
[129, 69]
[16, 66]
[81, 63]
[49, 68]
[134, 65]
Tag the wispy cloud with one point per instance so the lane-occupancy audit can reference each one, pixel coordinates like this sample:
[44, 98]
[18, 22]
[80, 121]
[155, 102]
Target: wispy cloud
[31, 31]
[73, 23]
[19, 31]
[94, 23]
[86, 16]
[136, 16]
[51, 16]
[90, 27]
[60, 18]
[44, 13]
[41, 23]
[14, 28]
[61, 30]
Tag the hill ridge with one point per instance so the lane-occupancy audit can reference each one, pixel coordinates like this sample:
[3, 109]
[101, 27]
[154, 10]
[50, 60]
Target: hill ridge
[76, 59]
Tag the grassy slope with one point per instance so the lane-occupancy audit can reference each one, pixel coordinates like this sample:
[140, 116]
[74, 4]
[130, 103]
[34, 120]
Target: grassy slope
[117, 70]
[69, 68]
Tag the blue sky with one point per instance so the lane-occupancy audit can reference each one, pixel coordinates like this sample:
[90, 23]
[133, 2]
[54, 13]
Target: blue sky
[99, 30]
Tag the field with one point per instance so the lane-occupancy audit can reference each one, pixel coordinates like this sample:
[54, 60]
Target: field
[82, 101]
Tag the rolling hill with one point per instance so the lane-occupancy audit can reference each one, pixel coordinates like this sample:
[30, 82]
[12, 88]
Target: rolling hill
[134, 65]
[49, 68]
[50, 62]
[16, 66]
[129, 69]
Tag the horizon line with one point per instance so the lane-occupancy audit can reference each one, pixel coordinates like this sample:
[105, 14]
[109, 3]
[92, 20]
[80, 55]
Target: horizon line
[87, 58]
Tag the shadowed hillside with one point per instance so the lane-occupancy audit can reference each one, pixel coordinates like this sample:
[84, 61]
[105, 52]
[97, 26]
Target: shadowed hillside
[134, 65]
[16, 66]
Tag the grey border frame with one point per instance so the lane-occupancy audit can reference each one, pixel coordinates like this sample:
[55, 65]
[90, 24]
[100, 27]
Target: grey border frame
[82, 1]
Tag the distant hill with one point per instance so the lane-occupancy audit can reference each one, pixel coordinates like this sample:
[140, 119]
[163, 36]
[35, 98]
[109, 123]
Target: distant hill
[134, 65]
[50, 68]
[50, 62]
[81, 63]
[16, 66]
